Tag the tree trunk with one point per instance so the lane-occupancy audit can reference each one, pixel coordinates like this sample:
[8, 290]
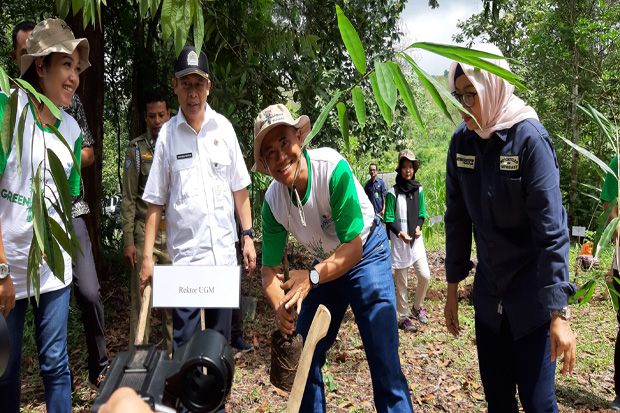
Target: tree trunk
[91, 93]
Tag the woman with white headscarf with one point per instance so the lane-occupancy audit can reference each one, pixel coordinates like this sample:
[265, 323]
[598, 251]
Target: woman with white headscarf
[502, 182]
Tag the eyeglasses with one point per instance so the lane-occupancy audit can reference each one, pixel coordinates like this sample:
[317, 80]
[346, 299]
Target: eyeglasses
[466, 99]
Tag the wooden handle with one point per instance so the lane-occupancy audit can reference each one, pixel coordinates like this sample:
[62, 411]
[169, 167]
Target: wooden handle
[144, 315]
[318, 330]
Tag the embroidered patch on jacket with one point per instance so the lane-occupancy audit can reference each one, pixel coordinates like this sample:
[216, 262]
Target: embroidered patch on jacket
[465, 161]
[509, 163]
[184, 155]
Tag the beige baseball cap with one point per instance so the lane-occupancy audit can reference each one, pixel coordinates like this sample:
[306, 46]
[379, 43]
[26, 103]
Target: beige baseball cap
[269, 118]
[53, 36]
[407, 154]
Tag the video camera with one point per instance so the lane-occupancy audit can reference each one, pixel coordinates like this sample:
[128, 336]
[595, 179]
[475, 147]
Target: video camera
[197, 379]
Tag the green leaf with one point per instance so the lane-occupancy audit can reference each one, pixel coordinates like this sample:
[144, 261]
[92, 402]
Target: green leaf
[5, 85]
[601, 224]
[76, 5]
[144, 7]
[351, 41]
[428, 84]
[55, 259]
[318, 124]
[86, 12]
[38, 208]
[63, 239]
[406, 94]
[154, 5]
[471, 57]
[51, 106]
[62, 8]
[199, 26]
[383, 107]
[8, 122]
[64, 142]
[344, 123]
[613, 294]
[29, 88]
[590, 156]
[606, 236]
[359, 104]
[32, 269]
[385, 80]
[166, 20]
[583, 292]
[603, 123]
[19, 143]
[60, 179]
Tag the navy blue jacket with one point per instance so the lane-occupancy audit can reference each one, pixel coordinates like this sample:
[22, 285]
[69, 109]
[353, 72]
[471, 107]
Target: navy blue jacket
[376, 192]
[507, 189]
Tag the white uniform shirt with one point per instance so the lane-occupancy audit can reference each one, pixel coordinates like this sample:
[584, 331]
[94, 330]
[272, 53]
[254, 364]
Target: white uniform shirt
[195, 175]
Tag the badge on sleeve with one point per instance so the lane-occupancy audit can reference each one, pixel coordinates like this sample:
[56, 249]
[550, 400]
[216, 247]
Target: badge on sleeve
[509, 163]
[465, 161]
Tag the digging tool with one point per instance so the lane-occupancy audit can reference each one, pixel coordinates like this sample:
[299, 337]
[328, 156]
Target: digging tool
[144, 315]
[318, 330]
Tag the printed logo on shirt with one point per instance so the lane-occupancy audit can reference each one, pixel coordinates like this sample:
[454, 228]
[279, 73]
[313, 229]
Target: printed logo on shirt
[465, 161]
[184, 155]
[509, 163]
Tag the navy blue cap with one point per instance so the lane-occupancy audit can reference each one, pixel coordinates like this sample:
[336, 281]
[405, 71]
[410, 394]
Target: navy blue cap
[189, 61]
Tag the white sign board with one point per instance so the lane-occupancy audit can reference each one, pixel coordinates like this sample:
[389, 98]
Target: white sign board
[579, 231]
[196, 286]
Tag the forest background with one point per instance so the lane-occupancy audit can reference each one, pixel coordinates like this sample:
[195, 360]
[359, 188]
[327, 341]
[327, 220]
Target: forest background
[266, 51]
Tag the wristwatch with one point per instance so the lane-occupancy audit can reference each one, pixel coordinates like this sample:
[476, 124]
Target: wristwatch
[563, 313]
[249, 232]
[314, 277]
[4, 271]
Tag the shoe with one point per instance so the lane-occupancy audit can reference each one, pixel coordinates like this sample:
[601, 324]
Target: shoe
[96, 383]
[241, 345]
[615, 405]
[421, 315]
[407, 325]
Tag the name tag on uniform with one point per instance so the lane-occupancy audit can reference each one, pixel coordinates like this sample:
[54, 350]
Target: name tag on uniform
[465, 161]
[509, 163]
[184, 155]
[196, 286]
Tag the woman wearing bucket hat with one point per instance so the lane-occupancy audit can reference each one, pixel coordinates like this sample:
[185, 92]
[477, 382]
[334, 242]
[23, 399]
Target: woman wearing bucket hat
[52, 65]
[405, 212]
[315, 196]
[502, 181]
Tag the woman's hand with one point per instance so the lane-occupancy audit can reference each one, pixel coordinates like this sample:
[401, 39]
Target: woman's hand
[297, 288]
[7, 296]
[405, 237]
[451, 310]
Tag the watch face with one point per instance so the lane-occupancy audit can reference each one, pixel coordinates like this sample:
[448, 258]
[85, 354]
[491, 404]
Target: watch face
[314, 277]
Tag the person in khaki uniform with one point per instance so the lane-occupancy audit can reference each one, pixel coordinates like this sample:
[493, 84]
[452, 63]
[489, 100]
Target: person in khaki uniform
[133, 210]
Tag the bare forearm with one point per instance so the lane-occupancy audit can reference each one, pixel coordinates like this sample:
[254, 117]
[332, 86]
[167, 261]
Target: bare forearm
[242, 206]
[153, 217]
[342, 260]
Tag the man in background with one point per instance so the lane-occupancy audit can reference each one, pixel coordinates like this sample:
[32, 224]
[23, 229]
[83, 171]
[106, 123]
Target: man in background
[138, 161]
[376, 190]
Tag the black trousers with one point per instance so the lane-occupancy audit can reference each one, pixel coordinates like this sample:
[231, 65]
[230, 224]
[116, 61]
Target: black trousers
[616, 276]
[88, 298]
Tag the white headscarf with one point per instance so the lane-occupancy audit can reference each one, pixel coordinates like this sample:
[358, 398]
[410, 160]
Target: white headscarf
[499, 107]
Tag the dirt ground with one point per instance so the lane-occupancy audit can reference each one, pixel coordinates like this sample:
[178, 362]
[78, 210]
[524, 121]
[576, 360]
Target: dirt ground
[442, 371]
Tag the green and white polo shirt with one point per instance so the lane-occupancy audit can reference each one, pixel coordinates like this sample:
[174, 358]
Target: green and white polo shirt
[16, 190]
[335, 209]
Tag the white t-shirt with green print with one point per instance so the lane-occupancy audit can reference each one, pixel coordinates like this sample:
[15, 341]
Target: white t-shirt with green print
[335, 209]
[15, 190]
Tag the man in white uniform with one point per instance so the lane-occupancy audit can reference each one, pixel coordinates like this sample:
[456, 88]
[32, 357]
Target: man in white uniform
[199, 175]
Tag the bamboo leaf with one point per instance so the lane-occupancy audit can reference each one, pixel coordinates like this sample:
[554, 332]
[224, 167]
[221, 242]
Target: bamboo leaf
[144, 7]
[318, 124]
[581, 291]
[60, 179]
[590, 156]
[344, 123]
[154, 5]
[5, 85]
[76, 6]
[351, 41]
[613, 294]
[8, 122]
[64, 142]
[32, 269]
[385, 80]
[601, 224]
[51, 106]
[62, 8]
[56, 261]
[406, 94]
[19, 142]
[28, 87]
[38, 206]
[429, 86]
[85, 13]
[62, 238]
[357, 95]
[606, 236]
[199, 26]
[383, 107]
[166, 20]
[603, 123]
[471, 57]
